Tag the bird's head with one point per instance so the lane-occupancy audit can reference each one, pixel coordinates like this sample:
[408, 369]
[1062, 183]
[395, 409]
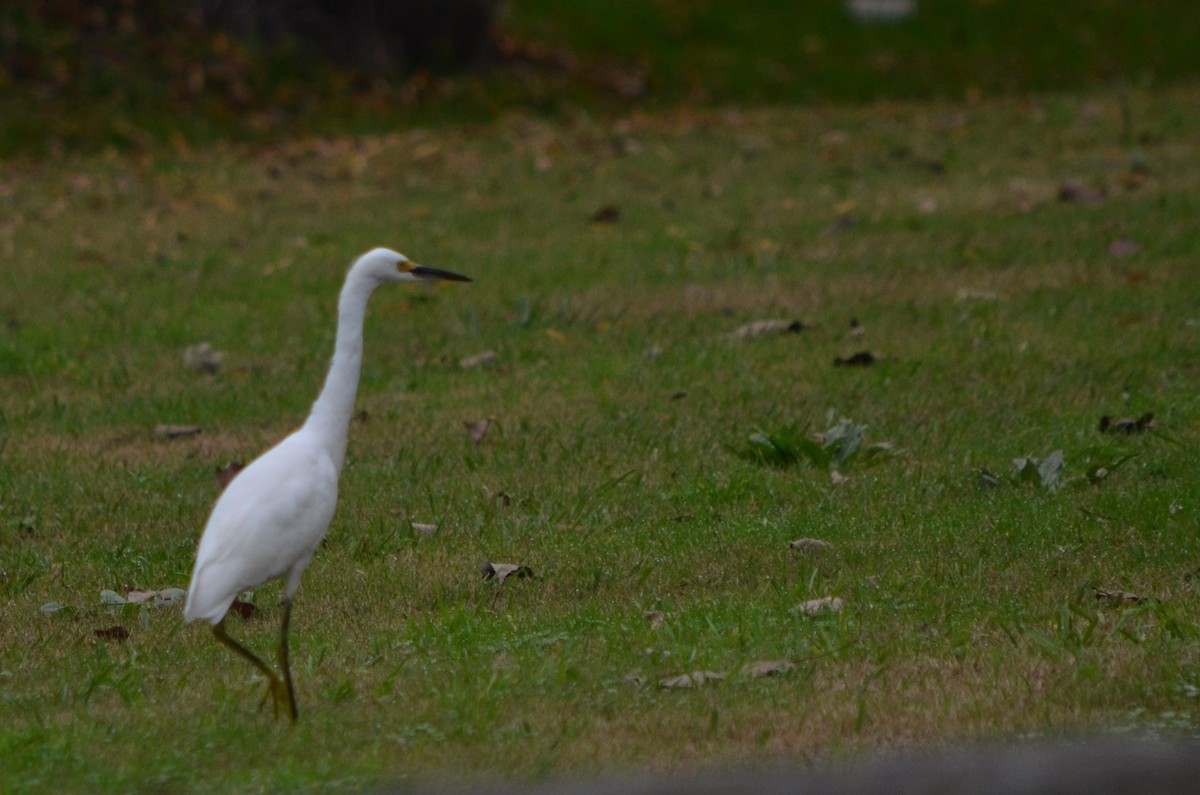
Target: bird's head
[385, 265]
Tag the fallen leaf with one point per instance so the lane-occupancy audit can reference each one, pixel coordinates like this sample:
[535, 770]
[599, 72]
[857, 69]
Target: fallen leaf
[635, 679]
[478, 359]
[974, 294]
[860, 359]
[477, 429]
[1117, 597]
[424, 529]
[1077, 192]
[50, 608]
[760, 327]
[500, 497]
[1127, 424]
[810, 545]
[137, 597]
[169, 596]
[769, 668]
[1048, 472]
[112, 600]
[655, 617]
[816, 607]
[988, 479]
[690, 680]
[117, 633]
[176, 431]
[837, 478]
[227, 473]
[244, 609]
[841, 224]
[202, 358]
[502, 571]
[608, 214]
[1123, 247]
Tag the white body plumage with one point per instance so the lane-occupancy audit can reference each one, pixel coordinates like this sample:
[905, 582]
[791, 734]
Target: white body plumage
[271, 517]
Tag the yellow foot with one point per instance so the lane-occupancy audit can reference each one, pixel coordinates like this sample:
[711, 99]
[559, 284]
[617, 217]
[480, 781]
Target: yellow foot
[279, 698]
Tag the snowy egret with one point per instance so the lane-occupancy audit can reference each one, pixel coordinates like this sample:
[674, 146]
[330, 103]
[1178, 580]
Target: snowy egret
[270, 518]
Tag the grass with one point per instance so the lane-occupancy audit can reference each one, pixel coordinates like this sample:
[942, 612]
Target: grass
[139, 77]
[1003, 327]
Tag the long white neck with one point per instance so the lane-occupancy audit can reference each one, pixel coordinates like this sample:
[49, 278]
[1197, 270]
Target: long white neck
[330, 416]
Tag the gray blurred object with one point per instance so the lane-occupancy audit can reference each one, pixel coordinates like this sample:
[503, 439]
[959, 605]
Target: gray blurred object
[1096, 767]
[881, 10]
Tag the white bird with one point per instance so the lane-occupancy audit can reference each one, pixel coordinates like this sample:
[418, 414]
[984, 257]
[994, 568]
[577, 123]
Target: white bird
[270, 518]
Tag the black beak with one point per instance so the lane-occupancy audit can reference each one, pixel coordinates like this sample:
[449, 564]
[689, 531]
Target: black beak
[436, 273]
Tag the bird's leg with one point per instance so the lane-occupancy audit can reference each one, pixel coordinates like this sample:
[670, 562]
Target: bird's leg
[283, 658]
[274, 687]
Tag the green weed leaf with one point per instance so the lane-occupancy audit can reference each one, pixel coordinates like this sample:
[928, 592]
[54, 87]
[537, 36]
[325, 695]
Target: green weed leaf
[831, 450]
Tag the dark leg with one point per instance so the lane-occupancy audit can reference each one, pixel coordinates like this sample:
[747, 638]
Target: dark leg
[274, 687]
[283, 659]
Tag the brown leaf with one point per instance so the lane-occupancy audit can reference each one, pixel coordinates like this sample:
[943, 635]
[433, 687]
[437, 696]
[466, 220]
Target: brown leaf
[1123, 247]
[478, 359]
[116, 632]
[769, 668]
[841, 224]
[810, 545]
[502, 498]
[135, 597]
[163, 598]
[202, 358]
[1072, 191]
[502, 571]
[860, 359]
[816, 607]
[608, 214]
[1127, 425]
[478, 429]
[976, 294]
[176, 431]
[1117, 597]
[760, 327]
[655, 617]
[244, 609]
[227, 473]
[691, 680]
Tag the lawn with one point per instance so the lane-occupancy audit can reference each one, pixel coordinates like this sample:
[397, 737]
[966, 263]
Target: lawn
[1017, 269]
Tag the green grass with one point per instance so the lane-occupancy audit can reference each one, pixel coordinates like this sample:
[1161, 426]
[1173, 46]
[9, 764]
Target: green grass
[69, 81]
[1003, 325]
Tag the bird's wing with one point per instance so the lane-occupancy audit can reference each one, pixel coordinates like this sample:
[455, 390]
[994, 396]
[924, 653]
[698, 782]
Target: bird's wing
[267, 523]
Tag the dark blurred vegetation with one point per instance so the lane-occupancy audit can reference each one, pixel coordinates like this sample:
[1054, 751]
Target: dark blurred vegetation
[139, 72]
